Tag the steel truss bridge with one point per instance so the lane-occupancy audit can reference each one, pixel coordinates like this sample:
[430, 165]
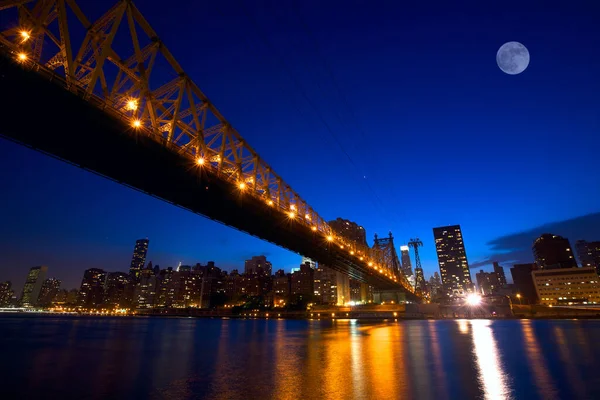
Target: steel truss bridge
[97, 101]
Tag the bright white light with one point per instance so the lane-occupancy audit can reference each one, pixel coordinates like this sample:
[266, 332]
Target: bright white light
[136, 123]
[22, 56]
[473, 299]
[200, 161]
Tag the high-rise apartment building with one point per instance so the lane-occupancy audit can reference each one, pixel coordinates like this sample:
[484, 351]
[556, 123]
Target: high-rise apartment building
[452, 259]
[499, 270]
[349, 230]
[138, 260]
[91, 293]
[405, 259]
[6, 293]
[487, 282]
[303, 282]
[258, 265]
[589, 254]
[553, 251]
[49, 290]
[33, 285]
[119, 290]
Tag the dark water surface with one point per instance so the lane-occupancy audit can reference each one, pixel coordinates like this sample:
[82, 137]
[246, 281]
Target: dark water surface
[160, 358]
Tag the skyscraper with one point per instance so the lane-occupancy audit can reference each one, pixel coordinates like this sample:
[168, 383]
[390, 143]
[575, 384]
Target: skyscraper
[452, 259]
[405, 259]
[91, 294]
[50, 288]
[139, 258]
[500, 274]
[33, 285]
[589, 254]
[349, 230]
[119, 290]
[553, 251]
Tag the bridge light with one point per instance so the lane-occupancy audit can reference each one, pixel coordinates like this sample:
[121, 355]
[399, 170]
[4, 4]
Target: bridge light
[200, 161]
[370, 264]
[131, 105]
[330, 238]
[22, 56]
[314, 228]
[25, 35]
[292, 215]
[342, 247]
[242, 186]
[307, 216]
[361, 259]
[136, 123]
[293, 207]
[332, 315]
[351, 252]
[270, 202]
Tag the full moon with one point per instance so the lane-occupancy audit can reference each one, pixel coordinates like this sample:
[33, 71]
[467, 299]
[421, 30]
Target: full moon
[512, 58]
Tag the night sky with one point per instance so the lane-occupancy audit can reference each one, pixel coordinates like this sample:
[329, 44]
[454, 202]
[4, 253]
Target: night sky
[432, 132]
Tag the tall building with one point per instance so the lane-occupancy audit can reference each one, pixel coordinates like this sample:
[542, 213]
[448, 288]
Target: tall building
[487, 282]
[145, 289]
[6, 293]
[312, 263]
[349, 230]
[91, 293]
[500, 274]
[281, 288]
[523, 281]
[452, 259]
[405, 259]
[33, 285]
[589, 254]
[49, 290]
[258, 265]
[303, 282]
[567, 286]
[553, 251]
[138, 260]
[435, 285]
[119, 290]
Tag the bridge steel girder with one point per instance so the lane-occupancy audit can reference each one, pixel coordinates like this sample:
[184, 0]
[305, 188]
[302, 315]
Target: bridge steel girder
[175, 115]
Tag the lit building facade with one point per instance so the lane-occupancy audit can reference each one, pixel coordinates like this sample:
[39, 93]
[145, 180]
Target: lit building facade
[487, 282]
[119, 290]
[258, 265]
[567, 286]
[349, 230]
[33, 285]
[49, 290]
[138, 260]
[589, 254]
[553, 251]
[452, 259]
[405, 259]
[499, 270]
[6, 293]
[303, 282]
[91, 293]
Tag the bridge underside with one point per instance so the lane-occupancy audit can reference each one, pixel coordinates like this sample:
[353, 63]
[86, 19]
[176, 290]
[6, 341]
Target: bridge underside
[44, 116]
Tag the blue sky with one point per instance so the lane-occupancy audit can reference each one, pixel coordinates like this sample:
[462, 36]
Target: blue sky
[436, 133]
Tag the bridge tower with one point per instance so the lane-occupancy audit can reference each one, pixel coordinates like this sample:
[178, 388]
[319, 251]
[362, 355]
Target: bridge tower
[419, 277]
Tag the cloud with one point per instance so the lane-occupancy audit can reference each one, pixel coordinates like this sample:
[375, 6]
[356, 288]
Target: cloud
[516, 247]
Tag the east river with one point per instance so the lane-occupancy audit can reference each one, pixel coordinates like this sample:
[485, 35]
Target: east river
[186, 358]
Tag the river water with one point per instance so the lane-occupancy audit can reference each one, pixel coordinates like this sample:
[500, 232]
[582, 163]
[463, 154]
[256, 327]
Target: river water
[186, 358]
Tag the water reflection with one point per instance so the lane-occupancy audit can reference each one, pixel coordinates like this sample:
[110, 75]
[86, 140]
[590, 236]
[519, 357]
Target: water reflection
[543, 379]
[492, 378]
[278, 359]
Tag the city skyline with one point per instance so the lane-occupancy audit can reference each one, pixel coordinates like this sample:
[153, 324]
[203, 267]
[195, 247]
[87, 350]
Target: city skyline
[57, 215]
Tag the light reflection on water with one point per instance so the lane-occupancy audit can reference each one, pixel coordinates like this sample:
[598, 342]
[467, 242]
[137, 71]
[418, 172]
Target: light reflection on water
[279, 359]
